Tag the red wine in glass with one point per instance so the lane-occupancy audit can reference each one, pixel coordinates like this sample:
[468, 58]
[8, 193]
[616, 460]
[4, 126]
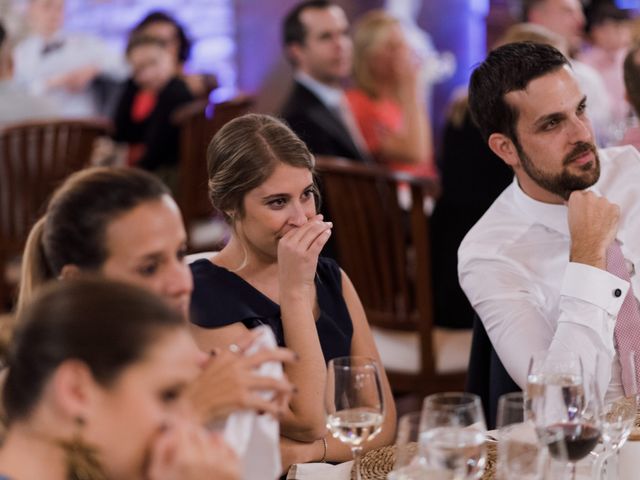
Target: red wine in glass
[579, 440]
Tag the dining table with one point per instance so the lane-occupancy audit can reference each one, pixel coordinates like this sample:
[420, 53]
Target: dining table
[376, 464]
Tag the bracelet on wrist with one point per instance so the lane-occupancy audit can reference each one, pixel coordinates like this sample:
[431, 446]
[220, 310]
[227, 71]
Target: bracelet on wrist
[324, 453]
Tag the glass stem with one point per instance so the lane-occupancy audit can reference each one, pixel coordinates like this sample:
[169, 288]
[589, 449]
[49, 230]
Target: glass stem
[601, 464]
[616, 462]
[357, 453]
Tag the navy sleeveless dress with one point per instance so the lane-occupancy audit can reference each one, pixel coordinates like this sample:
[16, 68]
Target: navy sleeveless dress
[222, 298]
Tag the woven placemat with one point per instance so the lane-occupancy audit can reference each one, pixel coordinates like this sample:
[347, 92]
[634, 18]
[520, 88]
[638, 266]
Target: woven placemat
[376, 464]
[635, 432]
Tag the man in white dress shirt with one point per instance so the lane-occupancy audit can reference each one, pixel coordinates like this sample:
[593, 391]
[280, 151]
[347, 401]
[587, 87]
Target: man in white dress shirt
[64, 66]
[534, 266]
[16, 103]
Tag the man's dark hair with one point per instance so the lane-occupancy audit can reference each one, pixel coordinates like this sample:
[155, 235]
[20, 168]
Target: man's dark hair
[507, 69]
[293, 30]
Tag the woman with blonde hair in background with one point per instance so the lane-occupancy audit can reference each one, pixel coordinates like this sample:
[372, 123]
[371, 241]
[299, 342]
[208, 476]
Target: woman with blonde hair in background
[389, 99]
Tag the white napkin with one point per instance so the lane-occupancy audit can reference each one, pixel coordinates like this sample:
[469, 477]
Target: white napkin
[320, 471]
[255, 438]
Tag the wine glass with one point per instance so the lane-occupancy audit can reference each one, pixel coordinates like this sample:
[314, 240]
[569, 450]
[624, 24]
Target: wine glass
[618, 417]
[452, 433]
[354, 402]
[519, 453]
[550, 367]
[410, 463]
[576, 409]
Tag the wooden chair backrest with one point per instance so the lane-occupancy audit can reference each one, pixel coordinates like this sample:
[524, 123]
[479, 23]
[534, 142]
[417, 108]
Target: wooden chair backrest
[382, 247]
[35, 157]
[199, 121]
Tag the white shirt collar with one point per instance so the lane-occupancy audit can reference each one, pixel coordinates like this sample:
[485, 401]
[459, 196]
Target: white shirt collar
[550, 215]
[329, 96]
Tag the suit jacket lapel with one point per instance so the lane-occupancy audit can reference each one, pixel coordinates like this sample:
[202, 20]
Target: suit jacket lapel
[329, 122]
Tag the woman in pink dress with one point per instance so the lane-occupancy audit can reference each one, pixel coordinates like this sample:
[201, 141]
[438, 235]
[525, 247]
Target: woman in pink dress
[388, 100]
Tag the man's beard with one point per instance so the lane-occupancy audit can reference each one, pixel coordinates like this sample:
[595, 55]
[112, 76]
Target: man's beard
[565, 182]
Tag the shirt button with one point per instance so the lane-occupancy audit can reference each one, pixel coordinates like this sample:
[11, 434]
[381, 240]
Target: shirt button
[617, 292]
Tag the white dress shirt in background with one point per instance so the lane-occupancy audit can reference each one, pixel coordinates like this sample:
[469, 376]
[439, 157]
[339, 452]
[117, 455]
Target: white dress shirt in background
[34, 69]
[599, 103]
[514, 267]
[17, 104]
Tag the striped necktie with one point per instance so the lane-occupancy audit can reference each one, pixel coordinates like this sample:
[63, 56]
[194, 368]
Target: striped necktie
[627, 329]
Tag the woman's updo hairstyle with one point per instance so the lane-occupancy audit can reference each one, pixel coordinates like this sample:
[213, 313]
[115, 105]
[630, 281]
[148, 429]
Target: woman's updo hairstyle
[244, 153]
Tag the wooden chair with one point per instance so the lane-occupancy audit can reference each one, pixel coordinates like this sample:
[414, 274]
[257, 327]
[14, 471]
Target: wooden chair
[384, 248]
[198, 122]
[34, 158]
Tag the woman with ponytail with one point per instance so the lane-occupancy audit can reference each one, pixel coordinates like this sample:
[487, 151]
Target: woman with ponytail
[123, 224]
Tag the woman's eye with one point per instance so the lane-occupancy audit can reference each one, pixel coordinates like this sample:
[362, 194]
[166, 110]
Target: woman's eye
[148, 270]
[308, 193]
[170, 395]
[278, 202]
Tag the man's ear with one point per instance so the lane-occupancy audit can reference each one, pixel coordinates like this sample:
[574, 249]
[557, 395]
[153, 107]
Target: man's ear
[69, 271]
[504, 147]
[293, 51]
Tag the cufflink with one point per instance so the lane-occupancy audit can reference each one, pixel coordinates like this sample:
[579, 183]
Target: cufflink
[617, 292]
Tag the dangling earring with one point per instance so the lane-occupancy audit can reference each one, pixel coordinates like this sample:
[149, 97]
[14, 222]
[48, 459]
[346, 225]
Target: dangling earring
[82, 459]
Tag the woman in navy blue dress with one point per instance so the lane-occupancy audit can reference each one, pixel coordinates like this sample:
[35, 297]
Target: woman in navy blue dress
[261, 179]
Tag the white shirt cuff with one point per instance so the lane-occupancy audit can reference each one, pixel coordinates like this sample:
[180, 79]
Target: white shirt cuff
[595, 286]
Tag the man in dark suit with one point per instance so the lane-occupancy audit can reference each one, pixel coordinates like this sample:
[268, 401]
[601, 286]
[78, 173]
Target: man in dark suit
[317, 43]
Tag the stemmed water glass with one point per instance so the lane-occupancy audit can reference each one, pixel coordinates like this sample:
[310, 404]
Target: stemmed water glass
[618, 418]
[520, 454]
[354, 402]
[545, 367]
[453, 434]
[410, 462]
